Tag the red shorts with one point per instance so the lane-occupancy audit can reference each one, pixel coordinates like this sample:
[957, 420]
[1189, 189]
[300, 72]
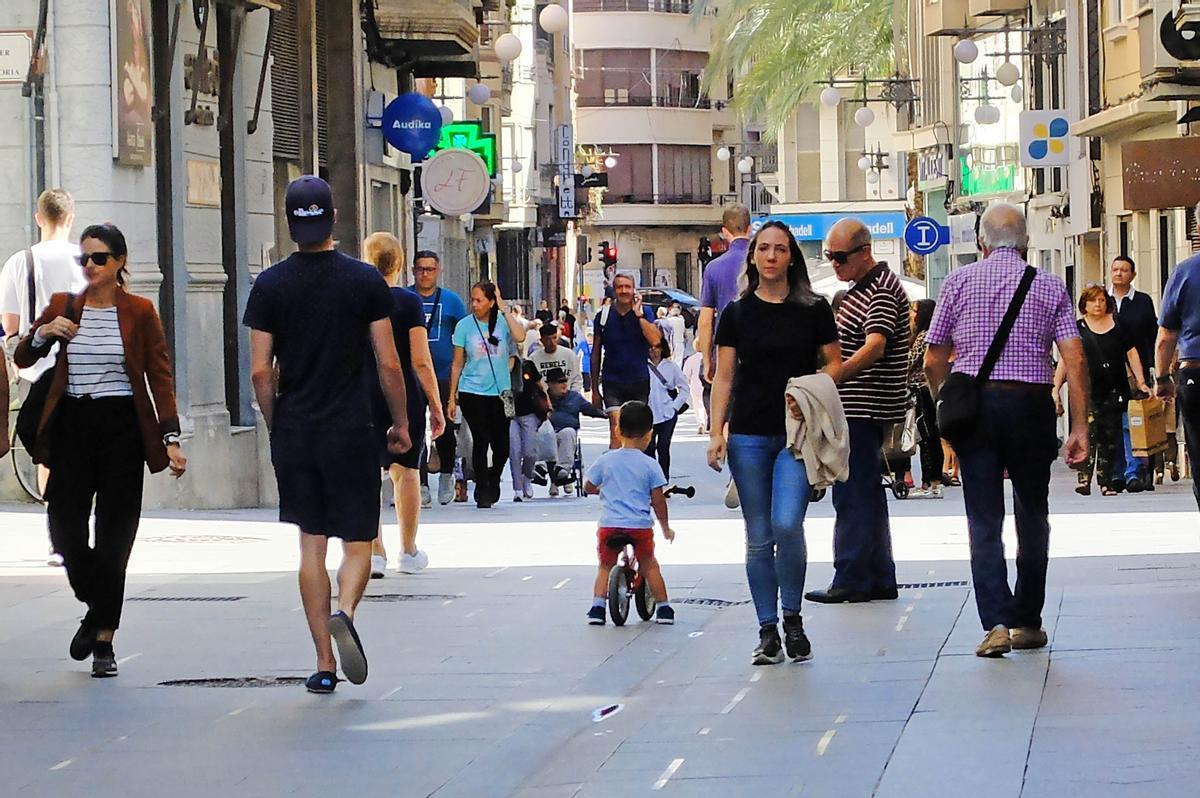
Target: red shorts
[643, 544]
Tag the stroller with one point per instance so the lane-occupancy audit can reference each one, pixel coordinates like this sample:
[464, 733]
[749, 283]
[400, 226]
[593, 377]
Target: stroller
[899, 445]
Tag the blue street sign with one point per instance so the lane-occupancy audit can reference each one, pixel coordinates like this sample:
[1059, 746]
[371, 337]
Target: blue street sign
[924, 235]
[412, 124]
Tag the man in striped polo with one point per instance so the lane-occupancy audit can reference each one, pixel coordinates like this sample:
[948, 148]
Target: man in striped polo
[873, 327]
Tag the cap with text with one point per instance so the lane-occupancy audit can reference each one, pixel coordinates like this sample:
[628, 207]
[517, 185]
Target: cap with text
[309, 204]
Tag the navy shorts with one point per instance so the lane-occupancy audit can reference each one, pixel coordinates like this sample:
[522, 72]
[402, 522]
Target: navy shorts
[416, 433]
[618, 393]
[328, 481]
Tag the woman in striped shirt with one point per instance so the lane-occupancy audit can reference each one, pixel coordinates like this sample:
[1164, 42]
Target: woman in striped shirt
[109, 413]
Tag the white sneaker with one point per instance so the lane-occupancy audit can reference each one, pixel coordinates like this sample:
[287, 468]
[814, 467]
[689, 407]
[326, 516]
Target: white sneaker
[569, 488]
[413, 563]
[553, 489]
[378, 566]
[527, 494]
[426, 499]
[731, 496]
[445, 488]
[936, 492]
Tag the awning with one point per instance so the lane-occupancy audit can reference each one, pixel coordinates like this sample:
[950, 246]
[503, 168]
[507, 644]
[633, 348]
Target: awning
[427, 27]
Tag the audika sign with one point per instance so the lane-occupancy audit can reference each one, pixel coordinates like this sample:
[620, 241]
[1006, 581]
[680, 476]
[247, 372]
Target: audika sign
[412, 123]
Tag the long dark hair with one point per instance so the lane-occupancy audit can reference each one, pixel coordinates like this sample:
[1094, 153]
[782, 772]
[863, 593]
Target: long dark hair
[924, 316]
[111, 236]
[489, 290]
[797, 274]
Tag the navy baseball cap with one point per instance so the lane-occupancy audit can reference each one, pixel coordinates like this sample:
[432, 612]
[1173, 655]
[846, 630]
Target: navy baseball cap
[309, 205]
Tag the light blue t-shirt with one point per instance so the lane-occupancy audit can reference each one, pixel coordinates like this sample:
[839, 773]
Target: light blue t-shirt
[625, 478]
[1181, 307]
[478, 377]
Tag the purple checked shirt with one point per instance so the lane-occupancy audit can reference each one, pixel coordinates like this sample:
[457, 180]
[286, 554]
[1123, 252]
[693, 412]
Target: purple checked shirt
[973, 302]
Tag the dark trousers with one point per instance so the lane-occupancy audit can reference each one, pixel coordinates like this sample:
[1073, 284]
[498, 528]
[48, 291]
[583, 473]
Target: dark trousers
[660, 444]
[96, 455]
[862, 535]
[1106, 447]
[1189, 411]
[446, 443]
[1018, 434]
[933, 459]
[489, 430]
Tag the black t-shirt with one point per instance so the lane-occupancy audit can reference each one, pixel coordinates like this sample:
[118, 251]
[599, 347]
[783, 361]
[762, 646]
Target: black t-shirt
[319, 307]
[407, 313]
[1106, 356]
[775, 342]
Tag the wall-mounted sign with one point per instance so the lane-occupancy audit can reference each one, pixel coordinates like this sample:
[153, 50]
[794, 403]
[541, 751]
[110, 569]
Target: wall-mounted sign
[815, 226]
[132, 86]
[931, 168]
[923, 235]
[16, 50]
[469, 135]
[412, 123]
[203, 183]
[454, 182]
[565, 152]
[1161, 173]
[1045, 138]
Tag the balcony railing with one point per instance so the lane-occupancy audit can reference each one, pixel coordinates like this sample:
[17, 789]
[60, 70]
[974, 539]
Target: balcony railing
[696, 198]
[618, 99]
[660, 6]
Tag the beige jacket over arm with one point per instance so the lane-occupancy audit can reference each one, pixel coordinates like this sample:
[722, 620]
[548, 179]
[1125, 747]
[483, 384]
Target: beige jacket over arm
[821, 437]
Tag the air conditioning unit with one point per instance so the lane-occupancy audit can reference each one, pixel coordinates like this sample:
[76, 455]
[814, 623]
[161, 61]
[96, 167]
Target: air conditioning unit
[1170, 38]
[944, 16]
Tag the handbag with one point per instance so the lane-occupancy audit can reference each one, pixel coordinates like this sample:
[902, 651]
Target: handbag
[30, 414]
[959, 398]
[507, 397]
[671, 392]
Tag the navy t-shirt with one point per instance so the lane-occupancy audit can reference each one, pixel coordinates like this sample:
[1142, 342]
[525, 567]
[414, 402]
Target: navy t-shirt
[407, 314]
[319, 307]
[625, 350]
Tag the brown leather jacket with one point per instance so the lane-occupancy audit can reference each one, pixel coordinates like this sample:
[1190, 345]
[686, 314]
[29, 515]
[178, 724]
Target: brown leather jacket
[146, 364]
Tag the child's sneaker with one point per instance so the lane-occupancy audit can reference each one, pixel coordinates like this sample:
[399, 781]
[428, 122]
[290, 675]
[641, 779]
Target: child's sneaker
[596, 616]
[665, 614]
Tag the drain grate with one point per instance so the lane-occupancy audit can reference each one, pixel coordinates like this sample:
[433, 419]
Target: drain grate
[410, 597]
[185, 598]
[202, 539]
[923, 585]
[710, 602]
[237, 681]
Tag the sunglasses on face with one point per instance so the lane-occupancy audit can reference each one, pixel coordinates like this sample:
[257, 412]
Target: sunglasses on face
[839, 257]
[98, 258]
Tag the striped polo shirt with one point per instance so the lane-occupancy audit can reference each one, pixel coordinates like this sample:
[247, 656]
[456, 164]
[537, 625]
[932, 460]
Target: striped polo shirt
[876, 304]
[96, 357]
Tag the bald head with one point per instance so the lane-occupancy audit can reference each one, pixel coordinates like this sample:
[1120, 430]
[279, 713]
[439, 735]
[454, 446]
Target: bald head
[1003, 226]
[851, 239]
[848, 233]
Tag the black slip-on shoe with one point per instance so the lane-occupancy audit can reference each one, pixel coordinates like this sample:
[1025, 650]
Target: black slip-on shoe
[837, 595]
[885, 593]
[350, 650]
[84, 641]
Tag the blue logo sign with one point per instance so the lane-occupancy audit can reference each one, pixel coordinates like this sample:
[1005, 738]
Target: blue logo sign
[924, 235]
[815, 226]
[412, 123]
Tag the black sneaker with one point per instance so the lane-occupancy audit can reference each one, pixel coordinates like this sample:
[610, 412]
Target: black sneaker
[596, 616]
[665, 614]
[83, 642]
[104, 661]
[770, 649]
[796, 642]
[1135, 485]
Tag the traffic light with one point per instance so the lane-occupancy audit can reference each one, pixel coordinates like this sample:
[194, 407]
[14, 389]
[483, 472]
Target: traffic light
[608, 254]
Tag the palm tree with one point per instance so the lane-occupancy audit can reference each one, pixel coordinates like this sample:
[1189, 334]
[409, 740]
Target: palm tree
[780, 50]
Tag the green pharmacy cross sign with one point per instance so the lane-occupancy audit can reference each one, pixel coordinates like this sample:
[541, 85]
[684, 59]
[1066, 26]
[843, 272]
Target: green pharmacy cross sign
[469, 136]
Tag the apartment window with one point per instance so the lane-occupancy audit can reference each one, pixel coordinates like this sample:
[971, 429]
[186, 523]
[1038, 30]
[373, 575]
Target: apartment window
[684, 174]
[683, 271]
[632, 179]
[647, 268]
[614, 76]
[678, 74]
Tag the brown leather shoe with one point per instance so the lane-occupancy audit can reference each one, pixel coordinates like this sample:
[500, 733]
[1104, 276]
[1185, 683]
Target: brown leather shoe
[1023, 638]
[996, 643]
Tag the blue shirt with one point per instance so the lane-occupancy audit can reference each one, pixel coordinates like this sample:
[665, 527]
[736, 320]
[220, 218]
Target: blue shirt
[625, 478]
[319, 307]
[485, 371]
[720, 284]
[585, 353]
[1181, 307]
[441, 318]
[624, 346]
[565, 411]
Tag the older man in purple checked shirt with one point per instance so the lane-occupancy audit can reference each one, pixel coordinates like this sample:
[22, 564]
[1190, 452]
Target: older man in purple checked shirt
[1018, 429]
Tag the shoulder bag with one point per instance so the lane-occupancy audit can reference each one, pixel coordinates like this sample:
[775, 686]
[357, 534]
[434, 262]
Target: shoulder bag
[507, 397]
[671, 392]
[959, 397]
[30, 414]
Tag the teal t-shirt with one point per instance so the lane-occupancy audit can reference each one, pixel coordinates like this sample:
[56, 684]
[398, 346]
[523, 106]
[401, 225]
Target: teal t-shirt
[485, 372]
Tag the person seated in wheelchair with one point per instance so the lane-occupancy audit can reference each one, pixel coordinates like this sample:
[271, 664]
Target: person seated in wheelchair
[629, 484]
[565, 407]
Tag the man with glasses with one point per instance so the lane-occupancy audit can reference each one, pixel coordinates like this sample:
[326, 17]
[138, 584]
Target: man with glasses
[872, 322]
[443, 310]
[1179, 329]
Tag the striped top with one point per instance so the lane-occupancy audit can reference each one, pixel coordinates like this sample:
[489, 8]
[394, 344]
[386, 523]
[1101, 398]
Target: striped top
[96, 357]
[876, 304]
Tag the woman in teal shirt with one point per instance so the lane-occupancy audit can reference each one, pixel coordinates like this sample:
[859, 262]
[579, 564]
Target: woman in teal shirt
[483, 350]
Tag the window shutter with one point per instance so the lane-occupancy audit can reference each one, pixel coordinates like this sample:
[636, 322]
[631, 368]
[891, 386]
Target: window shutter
[285, 91]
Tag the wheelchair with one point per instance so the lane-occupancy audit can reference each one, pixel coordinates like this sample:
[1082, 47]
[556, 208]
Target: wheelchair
[625, 581]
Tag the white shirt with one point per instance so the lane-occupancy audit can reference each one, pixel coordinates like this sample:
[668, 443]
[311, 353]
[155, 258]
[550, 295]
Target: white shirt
[1121, 300]
[96, 365]
[563, 358]
[55, 271]
[662, 405]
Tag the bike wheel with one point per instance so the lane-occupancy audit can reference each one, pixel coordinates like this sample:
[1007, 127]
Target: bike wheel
[900, 489]
[618, 594]
[644, 600]
[25, 469]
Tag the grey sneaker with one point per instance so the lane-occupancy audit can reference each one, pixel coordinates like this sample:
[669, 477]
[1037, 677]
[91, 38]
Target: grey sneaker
[445, 488]
[426, 499]
[413, 563]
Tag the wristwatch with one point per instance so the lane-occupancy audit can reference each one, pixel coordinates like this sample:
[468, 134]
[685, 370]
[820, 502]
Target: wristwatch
[171, 439]
[1164, 379]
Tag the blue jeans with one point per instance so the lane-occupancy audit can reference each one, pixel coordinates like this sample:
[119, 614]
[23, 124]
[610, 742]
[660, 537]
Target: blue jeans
[1018, 434]
[862, 533]
[774, 490]
[1135, 467]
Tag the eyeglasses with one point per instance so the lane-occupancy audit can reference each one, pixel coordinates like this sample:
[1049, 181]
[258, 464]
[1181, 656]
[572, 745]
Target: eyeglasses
[98, 258]
[424, 269]
[839, 257]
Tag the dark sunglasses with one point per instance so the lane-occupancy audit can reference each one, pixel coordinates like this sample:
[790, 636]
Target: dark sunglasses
[839, 257]
[98, 258]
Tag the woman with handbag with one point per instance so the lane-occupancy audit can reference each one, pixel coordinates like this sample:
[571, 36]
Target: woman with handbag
[533, 407]
[109, 412]
[669, 393]
[480, 383]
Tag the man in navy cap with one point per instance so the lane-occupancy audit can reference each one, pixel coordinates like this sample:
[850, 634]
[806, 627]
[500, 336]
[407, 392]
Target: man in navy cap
[311, 316]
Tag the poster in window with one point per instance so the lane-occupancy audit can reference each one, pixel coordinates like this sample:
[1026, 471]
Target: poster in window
[132, 86]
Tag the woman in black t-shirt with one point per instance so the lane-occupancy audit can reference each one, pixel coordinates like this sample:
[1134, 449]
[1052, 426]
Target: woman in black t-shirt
[1108, 349]
[777, 330]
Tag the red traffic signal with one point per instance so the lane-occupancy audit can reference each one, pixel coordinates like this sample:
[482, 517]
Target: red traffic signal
[608, 254]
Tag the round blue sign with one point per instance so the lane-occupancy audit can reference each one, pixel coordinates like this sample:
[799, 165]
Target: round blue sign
[923, 235]
[412, 124]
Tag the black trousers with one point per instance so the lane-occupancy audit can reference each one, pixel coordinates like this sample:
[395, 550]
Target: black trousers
[489, 430]
[660, 444]
[97, 455]
[1189, 409]
[446, 443]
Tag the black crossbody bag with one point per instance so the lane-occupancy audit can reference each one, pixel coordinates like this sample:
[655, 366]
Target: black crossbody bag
[959, 398]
